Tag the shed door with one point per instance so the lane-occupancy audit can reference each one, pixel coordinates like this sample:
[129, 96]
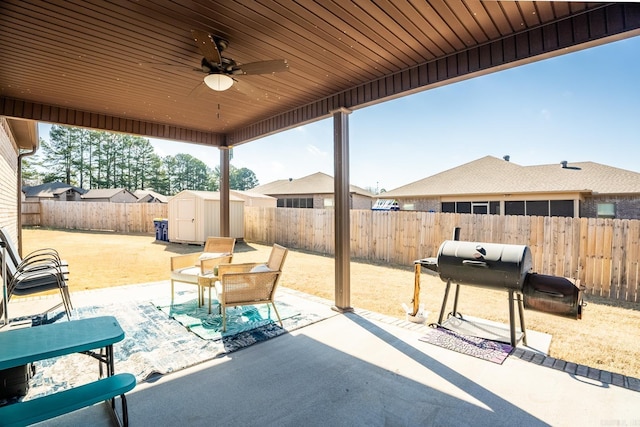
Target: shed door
[186, 221]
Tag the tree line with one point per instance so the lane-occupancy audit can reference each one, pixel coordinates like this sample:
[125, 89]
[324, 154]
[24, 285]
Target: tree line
[91, 159]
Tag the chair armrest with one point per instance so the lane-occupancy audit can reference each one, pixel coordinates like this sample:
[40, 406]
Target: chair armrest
[207, 265]
[237, 268]
[45, 252]
[40, 260]
[182, 261]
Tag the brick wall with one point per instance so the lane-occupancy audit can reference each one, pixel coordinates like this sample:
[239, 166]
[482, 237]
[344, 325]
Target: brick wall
[423, 205]
[361, 202]
[627, 207]
[8, 180]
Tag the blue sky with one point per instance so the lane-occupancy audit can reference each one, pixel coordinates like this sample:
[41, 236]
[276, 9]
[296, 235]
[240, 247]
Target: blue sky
[583, 106]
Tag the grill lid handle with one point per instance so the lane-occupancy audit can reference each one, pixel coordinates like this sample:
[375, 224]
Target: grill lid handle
[477, 264]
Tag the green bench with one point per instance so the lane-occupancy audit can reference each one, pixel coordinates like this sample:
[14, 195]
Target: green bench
[53, 405]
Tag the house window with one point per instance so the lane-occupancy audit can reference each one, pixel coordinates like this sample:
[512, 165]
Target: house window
[514, 208]
[561, 208]
[328, 203]
[295, 202]
[448, 207]
[463, 207]
[606, 210]
[481, 208]
[470, 207]
[538, 207]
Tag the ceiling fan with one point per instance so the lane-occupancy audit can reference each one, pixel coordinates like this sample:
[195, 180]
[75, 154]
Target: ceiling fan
[220, 70]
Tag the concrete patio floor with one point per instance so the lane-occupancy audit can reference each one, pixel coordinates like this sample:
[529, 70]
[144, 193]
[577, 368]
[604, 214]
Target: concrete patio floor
[365, 369]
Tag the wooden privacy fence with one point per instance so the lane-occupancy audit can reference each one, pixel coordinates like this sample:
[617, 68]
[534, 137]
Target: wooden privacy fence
[118, 217]
[30, 213]
[604, 254]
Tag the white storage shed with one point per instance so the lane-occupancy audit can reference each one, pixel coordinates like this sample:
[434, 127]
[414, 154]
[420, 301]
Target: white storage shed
[195, 215]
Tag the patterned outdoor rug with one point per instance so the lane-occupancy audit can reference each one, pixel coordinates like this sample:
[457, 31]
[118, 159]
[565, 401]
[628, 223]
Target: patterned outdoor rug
[481, 348]
[156, 344]
[239, 319]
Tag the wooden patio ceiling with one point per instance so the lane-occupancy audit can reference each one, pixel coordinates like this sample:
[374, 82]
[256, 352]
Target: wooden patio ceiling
[127, 66]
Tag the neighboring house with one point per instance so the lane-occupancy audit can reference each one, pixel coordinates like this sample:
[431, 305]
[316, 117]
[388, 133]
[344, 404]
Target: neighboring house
[114, 195]
[498, 186]
[150, 196]
[58, 191]
[312, 191]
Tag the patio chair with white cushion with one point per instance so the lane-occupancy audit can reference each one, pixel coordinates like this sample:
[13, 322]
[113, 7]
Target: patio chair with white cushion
[250, 283]
[190, 268]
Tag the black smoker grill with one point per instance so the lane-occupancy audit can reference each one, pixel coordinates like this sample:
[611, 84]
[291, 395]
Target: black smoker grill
[504, 267]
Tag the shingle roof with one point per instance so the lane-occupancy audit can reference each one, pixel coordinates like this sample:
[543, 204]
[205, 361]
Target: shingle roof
[249, 194]
[49, 189]
[317, 183]
[490, 175]
[103, 193]
[140, 194]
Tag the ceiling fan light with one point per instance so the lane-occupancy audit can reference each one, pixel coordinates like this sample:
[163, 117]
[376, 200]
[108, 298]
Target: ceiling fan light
[219, 82]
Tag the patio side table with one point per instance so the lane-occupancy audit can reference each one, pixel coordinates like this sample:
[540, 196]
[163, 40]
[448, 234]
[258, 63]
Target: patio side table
[206, 280]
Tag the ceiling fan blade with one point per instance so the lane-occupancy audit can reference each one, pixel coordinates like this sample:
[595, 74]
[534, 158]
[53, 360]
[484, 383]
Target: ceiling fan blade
[207, 46]
[199, 91]
[247, 89]
[264, 67]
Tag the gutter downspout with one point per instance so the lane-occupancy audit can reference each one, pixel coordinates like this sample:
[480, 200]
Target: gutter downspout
[19, 187]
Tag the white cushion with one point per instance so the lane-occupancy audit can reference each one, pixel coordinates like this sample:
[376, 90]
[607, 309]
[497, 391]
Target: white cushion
[189, 274]
[259, 268]
[210, 255]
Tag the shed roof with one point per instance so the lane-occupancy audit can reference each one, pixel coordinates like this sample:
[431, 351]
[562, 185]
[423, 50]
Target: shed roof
[207, 195]
[316, 183]
[490, 175]
[249, 194]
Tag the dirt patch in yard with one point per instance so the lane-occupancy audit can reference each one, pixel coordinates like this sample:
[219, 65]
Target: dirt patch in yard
[606, 337]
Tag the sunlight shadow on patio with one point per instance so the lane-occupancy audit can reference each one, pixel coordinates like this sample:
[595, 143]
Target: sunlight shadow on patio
[340, 371]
